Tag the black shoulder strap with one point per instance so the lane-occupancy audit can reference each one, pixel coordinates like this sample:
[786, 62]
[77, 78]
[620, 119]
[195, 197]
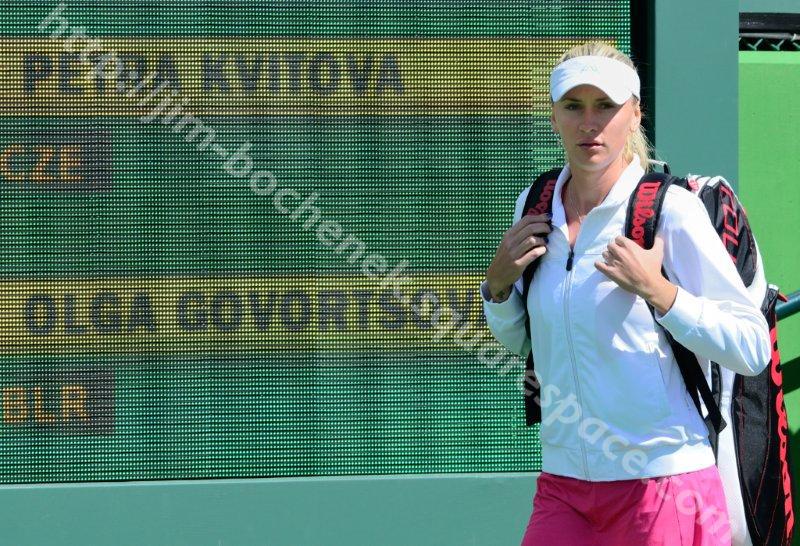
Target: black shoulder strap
[538, 201]
[644, 210]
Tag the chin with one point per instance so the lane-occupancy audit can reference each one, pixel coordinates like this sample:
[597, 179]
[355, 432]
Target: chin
[591, 162]
[595, 161]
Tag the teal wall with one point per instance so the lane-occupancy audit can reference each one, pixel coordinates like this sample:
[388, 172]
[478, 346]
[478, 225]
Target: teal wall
[769, 6]
[428, 510]
[695, 75]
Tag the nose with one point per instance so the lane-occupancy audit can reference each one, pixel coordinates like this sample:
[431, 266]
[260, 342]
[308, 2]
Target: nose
[588, 120]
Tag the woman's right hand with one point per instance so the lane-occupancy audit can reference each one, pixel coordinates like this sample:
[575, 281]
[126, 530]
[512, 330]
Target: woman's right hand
[523, 243]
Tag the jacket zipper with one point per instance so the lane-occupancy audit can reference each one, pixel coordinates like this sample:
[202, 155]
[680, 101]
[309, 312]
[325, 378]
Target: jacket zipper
[568, 330]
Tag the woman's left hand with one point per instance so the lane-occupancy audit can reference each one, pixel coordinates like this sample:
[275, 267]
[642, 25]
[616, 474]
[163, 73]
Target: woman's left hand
[633, 268]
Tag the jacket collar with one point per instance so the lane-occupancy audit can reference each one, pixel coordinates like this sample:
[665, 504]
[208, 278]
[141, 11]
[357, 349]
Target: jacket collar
[620, 191]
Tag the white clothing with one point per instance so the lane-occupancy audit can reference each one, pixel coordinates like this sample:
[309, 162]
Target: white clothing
[614, 404]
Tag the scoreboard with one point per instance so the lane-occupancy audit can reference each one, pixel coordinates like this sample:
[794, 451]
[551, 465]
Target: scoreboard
[245, 239]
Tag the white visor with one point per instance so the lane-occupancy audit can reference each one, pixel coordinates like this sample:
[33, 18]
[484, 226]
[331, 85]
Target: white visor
[616, 79]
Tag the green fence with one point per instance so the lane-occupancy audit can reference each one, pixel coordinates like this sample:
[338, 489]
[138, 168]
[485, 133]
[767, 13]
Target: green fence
[767, 188]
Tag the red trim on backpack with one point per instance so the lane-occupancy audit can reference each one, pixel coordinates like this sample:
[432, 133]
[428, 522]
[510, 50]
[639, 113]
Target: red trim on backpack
[730, 221]
[544, 199]
[643, 209]
[783, 430]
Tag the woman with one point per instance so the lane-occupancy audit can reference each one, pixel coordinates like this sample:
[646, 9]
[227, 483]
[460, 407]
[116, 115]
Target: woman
[626, 458]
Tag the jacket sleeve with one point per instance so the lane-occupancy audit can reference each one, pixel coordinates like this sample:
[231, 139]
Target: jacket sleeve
[722, 324]
[506, 320]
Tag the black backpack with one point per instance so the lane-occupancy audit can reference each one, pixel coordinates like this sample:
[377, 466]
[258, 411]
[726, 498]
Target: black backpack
[756, 413]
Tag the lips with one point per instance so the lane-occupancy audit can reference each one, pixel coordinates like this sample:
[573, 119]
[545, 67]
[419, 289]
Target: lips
[590, 143]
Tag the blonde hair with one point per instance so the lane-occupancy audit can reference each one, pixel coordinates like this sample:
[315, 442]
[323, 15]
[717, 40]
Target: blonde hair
[637, 141]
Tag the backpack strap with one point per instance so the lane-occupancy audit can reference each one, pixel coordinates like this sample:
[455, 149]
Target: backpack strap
[644, 211]
[730, 220]
[538, 201]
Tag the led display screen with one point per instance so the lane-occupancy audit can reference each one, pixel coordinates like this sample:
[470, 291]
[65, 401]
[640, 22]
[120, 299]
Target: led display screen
[234, 234]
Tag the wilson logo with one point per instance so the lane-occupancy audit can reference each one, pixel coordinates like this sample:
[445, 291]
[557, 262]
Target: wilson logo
[643, 209]
[730, 221]
[545, 198]
[783, 429]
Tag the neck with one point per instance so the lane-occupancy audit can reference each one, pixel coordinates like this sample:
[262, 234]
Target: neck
[587, 189]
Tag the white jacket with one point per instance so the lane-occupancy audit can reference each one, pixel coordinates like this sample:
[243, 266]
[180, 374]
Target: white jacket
[614, 405]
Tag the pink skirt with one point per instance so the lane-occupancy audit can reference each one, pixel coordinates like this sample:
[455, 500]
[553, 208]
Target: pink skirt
[681, 510]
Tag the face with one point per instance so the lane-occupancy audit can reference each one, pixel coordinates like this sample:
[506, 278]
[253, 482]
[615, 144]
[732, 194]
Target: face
[585, 113]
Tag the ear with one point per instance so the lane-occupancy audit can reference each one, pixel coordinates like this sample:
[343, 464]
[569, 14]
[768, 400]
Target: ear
[553, 122]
